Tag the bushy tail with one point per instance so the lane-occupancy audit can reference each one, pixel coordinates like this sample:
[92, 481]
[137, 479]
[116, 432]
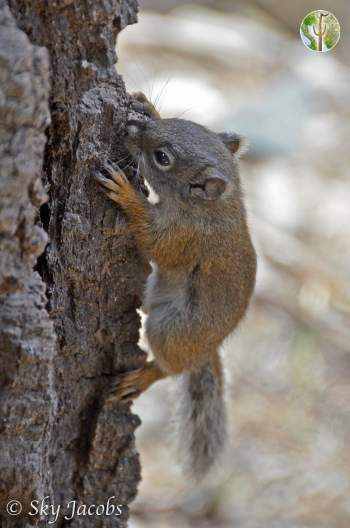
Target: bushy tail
[201, 419]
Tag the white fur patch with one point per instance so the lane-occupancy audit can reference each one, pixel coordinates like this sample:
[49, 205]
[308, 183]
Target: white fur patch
[153, 197]
[153, 265]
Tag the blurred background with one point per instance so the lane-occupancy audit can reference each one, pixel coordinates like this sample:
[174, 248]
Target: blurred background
[241, 66]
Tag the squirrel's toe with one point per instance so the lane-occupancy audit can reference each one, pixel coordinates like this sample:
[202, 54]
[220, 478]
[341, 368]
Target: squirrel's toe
[126, 387]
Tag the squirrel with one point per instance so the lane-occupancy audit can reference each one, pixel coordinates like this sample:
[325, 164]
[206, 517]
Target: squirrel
[203, 265]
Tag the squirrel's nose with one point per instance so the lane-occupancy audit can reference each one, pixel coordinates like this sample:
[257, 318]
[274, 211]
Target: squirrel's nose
[134, 127]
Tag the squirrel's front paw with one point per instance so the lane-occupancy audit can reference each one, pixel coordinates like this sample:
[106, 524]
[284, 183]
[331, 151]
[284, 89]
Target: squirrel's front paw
[117, 187]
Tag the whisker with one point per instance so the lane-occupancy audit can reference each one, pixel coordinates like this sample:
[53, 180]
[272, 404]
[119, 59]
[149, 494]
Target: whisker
[161, 93]
[143, 160]
[122, 159]
[129, 164]
[184, 112]
[152, 90]
[138, 166]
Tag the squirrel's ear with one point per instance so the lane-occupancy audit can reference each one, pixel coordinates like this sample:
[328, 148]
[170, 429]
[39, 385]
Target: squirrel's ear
[208, 185]
[235, 143]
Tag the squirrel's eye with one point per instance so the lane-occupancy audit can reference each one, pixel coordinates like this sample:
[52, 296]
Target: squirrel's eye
[162, 158]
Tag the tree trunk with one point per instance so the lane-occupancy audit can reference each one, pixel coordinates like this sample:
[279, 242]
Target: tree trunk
[69, 326]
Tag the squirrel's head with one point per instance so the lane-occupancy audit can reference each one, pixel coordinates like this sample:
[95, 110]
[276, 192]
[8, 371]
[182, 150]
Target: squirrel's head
[184, 161]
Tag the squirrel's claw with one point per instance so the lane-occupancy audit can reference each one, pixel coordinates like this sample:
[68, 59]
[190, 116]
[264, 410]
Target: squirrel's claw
[115, 173]
[112, 169]
[130, 385]
[116, 186]
[109, 187]
[106, 183]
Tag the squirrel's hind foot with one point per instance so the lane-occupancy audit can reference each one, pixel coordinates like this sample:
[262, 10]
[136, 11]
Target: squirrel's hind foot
[130, 385]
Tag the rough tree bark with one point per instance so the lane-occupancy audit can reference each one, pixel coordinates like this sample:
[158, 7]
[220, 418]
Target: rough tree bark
[68, 319]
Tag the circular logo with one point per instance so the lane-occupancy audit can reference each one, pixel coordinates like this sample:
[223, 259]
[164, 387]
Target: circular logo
[320, 30]
[14, 507]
